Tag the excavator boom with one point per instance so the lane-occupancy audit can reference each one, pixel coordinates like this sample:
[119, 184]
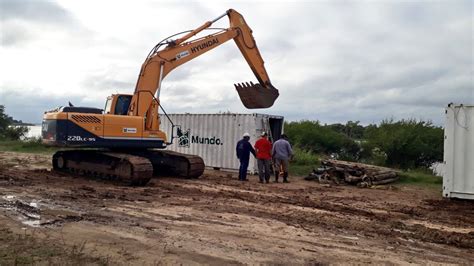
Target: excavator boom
[177, 52]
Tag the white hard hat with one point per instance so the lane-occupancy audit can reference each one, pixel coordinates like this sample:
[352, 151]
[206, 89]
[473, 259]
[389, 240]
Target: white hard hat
[246, 135]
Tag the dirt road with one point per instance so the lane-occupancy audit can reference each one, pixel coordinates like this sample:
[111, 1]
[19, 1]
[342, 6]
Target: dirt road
[218, 220]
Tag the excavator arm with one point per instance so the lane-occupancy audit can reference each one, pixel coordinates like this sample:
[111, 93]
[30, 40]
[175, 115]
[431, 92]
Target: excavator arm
[177, 52]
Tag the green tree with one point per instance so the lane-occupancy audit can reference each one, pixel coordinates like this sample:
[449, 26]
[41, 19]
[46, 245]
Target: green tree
[406, 143]
[4, 121]
[7, 131]
[351, 129]
[314, 137]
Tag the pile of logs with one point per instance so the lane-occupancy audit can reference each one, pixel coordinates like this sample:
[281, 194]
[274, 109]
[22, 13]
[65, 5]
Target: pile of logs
[361, 175]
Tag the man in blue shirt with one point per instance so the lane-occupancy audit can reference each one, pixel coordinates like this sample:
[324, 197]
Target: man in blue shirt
[243, 150]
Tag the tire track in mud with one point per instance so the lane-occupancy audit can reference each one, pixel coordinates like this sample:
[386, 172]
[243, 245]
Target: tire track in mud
[314, 209]
[338, 216]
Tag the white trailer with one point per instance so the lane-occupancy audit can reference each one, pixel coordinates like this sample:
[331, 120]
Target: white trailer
[458, 178]
[214, 136]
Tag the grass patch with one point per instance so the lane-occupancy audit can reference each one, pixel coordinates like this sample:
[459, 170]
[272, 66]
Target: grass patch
[301, 170]
[303, 162]
[26, 249]
[29, 146]
[302, 157]
[420, 177]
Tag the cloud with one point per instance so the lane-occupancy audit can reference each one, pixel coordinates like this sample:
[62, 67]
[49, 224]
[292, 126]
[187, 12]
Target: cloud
[29, 105]
[332, 61]
[38, 11]
[23, 21]
[15, 34]
[109, 81]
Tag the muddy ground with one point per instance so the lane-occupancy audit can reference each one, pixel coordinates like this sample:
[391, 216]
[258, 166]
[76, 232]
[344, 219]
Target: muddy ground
[218, 220]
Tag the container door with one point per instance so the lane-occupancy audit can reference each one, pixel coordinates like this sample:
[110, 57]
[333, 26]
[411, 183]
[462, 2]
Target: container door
[276, 128]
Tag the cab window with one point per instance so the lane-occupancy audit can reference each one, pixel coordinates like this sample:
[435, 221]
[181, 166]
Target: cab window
[123, 102]
[108, 105]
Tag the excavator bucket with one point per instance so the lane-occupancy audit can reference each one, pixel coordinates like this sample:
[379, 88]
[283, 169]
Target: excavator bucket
[256, 96]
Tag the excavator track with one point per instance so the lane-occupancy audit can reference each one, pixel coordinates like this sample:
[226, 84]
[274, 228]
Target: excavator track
[116, 166]
[134, 168]
[170, 163]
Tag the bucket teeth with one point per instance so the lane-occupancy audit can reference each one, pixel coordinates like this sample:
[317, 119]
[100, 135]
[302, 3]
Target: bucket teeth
[255, 95]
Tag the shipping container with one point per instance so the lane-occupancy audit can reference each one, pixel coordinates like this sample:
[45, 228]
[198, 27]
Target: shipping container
[214, 136]
[458, 178]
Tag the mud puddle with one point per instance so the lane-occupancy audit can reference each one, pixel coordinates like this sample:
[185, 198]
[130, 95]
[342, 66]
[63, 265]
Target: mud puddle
[36, 213]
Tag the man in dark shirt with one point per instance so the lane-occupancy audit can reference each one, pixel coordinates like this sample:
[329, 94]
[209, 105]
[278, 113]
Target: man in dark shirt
[243, 150]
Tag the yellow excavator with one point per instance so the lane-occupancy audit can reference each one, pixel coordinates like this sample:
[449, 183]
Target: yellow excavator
[124, 142]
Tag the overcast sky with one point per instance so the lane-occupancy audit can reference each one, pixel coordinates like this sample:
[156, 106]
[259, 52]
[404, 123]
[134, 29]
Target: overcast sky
[332, 61]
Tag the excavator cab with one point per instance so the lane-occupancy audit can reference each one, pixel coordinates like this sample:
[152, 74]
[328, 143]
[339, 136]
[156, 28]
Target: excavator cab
[118, 104]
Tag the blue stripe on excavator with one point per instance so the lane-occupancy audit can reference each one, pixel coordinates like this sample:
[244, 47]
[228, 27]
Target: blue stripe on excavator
[67, 133]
